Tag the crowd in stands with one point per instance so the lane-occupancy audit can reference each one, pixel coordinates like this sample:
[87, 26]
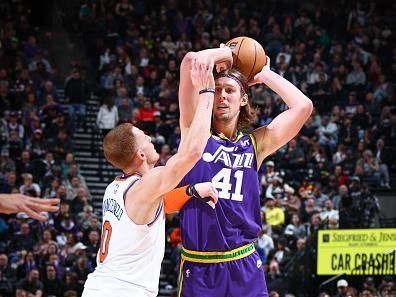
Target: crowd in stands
[344, 59]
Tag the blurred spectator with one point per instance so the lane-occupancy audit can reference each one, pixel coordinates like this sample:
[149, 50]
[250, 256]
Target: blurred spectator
[76, 94]
[6, 276]
[329, 214]
[383, 158]
[107, 117]
[15, 134]
[62, 144]
[6, 163]
[264, 245]
[273, 214]
[23, 240]
[29, 186]
[342, 286]
[52, 285]
[32, 282]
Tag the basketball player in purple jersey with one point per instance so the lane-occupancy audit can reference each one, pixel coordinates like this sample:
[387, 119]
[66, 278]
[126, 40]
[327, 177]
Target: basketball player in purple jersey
[218, 255]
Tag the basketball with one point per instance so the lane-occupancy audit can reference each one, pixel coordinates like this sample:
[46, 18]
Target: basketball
[248, 55]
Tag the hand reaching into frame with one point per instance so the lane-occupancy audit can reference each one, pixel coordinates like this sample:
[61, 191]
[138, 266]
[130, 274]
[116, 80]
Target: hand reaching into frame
[13, 203]
[202, 73]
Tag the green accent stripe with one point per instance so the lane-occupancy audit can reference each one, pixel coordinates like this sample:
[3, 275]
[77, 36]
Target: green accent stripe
[226, 256]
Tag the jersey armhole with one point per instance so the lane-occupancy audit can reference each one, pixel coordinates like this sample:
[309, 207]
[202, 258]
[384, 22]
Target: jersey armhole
[128, 188]
[157, 214]
[254, 142]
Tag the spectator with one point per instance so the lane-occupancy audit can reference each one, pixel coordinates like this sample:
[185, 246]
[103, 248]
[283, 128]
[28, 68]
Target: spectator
[370, 167]
[328, 134]
[107, 117]
[52, 285]
[6, 163]
[6, 276]
[15, 134]
[342, 286]
[273, 214]
[329, 214]
[299, 230]
[76, 94]
[26, 263]
[62, 145]
[382, 156]
[32, 282]
[264, 245]
[22, 240]
[79, 201]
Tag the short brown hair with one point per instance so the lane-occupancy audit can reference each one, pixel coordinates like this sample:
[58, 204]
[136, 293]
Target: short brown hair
[119, 146]
[247, 114]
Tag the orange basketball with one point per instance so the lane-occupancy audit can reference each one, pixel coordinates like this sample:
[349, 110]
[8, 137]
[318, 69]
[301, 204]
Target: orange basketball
[248, 55]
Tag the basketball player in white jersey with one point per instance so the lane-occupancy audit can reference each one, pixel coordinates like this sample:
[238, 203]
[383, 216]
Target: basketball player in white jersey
[133, 227]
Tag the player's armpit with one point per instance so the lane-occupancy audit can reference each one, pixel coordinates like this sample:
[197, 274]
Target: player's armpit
[175, 200]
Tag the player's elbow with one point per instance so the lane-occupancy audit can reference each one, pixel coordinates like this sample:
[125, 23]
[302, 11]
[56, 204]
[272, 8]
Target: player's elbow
[306, 107]
[188, 58]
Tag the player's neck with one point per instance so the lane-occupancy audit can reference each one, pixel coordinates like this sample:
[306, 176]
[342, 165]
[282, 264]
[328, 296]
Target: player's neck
[138, 170]
[228, 130]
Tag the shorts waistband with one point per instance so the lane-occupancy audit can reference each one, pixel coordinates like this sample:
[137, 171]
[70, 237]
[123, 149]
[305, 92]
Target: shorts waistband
[218, 257]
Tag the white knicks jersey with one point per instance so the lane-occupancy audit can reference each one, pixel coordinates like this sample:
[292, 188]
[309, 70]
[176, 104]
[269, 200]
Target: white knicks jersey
[130, 255]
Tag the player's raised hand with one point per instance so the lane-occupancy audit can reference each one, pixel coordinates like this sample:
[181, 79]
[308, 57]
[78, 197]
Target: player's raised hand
[225, 64]
[202, 73]
[13, 203]
[208, 193]
[258, 78]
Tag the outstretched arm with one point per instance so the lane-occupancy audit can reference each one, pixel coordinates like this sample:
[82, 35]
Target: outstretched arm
[13, 203]
[287, 124]
[175, 199]
[146, 194]
[188, 98]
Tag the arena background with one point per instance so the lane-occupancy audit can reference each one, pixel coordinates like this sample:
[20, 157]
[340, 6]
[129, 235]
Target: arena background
[63, 61]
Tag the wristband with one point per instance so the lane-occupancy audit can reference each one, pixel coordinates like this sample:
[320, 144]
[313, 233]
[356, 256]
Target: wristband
[207, 90]
[191, 191]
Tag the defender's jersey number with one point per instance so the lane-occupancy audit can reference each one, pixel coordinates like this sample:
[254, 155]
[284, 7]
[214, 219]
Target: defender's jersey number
[104, 242]
[222, 181]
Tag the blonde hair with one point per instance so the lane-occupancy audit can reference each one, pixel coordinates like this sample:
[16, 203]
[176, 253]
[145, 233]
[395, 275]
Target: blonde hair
[119, 146]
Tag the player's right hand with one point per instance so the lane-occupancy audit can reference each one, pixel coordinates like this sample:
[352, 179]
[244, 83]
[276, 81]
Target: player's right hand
[207, 190]
[226, 64]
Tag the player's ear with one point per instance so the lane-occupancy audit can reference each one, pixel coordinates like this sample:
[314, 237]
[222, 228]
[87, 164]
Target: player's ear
[140, 155]
[244, 100]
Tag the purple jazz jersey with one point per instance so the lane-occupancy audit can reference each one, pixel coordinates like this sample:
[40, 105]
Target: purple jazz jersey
[232, 168]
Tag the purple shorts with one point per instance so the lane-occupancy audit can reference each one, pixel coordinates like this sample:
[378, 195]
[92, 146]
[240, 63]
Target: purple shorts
[238, 278]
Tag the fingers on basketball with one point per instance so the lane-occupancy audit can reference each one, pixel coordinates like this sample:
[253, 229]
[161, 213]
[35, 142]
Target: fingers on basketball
[248, 56]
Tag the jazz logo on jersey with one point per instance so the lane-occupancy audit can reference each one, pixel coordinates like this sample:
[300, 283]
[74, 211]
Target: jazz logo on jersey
[230, 159]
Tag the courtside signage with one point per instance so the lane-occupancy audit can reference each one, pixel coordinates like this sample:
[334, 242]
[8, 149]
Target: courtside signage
[357, 252]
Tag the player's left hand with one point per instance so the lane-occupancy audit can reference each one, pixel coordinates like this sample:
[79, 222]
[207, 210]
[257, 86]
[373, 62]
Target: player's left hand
[33, 207]
[208, 192]
[201, 73]
[259, 77]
